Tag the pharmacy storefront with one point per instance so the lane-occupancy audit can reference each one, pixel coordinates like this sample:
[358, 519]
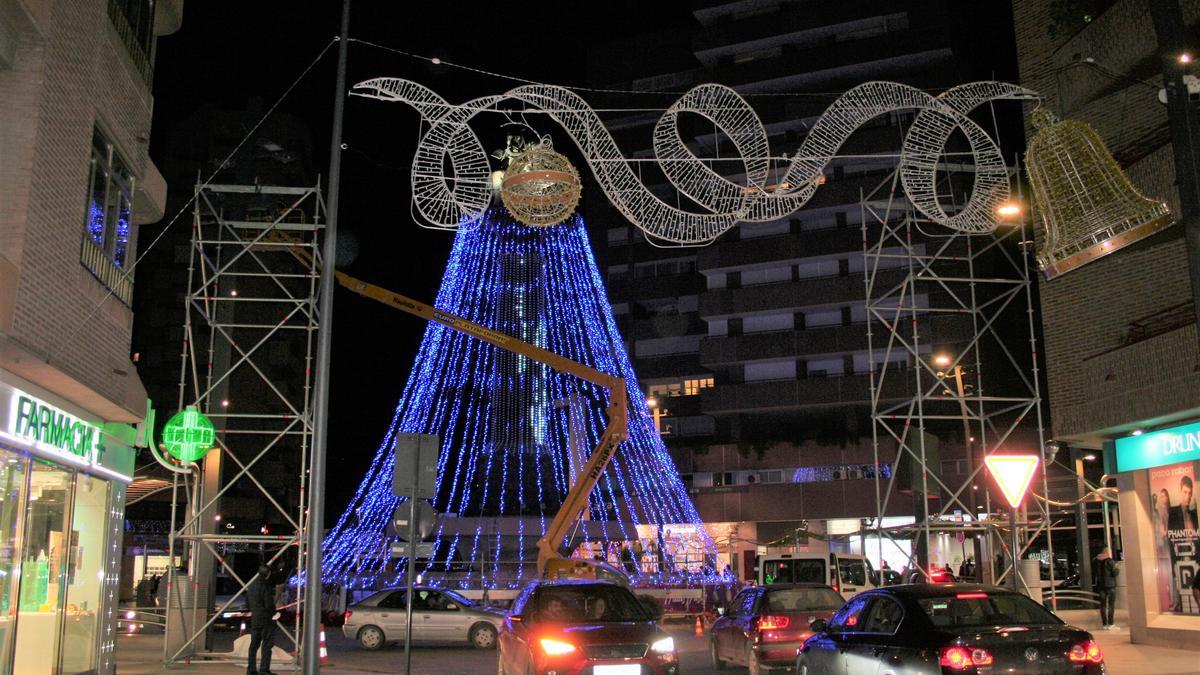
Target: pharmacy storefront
[1157, 474]
[62, 503]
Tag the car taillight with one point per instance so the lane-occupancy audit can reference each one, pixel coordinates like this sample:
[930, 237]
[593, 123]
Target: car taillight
[1086, 652]
[961, 658]
[773, 622]
[556, 648]
[348, 613]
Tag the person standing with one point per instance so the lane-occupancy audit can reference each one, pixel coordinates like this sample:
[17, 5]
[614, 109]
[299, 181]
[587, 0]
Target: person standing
[1105, 570]
[260, 598]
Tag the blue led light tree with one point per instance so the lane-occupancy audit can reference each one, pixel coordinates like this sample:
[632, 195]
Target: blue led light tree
[514, 431]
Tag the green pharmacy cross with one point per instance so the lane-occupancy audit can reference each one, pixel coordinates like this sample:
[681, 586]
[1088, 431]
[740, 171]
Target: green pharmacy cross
[189, 435]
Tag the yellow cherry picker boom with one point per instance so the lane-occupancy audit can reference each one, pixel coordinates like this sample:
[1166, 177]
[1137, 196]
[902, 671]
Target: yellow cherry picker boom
[552, 560]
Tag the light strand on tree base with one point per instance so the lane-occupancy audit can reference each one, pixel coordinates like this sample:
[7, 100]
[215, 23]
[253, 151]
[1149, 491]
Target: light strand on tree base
[505, 424]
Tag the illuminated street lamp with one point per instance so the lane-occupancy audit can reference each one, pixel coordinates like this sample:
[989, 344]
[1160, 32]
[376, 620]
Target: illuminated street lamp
[1013, 473]
[657, 413]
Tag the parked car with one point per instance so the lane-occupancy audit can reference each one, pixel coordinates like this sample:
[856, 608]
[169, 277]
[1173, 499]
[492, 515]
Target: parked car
[947, 628]
[845, 573]
[765, 625]
[439, 615]
[574, 626]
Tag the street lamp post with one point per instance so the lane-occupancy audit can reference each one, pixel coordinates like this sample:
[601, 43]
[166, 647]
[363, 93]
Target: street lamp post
[941, 361]
[656, 413]
[1013, 473]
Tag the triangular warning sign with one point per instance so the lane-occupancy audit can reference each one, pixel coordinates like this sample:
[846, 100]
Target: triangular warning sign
[1013, 474]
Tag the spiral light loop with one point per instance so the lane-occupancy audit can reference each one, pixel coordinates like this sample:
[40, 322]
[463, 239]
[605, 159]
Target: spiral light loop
[448, 201]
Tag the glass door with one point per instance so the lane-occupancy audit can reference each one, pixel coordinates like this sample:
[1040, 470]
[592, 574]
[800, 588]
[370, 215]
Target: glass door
[12, 492]
[85, 575]
[43, 566]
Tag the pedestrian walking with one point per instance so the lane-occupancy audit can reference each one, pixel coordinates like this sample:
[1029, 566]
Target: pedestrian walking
[260, 597]
[1105, 570]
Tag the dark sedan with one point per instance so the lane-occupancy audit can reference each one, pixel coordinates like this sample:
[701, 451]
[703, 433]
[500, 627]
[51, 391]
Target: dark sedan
[565, 627]
[764, 625]
[947, 628]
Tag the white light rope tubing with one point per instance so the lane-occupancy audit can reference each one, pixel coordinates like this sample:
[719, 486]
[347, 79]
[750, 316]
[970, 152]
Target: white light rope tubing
[449, 201]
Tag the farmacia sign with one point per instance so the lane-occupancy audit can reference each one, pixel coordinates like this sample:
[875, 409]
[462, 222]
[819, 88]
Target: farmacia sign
[54, 430]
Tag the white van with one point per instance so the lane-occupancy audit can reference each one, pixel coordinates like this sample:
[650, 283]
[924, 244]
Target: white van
[845, 573]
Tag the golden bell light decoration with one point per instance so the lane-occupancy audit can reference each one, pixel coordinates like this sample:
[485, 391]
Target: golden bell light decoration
[541, 187]
[1087, 206]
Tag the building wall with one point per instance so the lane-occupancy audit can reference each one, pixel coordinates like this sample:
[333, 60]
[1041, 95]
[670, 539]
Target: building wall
[69, 72]
[1101, 379]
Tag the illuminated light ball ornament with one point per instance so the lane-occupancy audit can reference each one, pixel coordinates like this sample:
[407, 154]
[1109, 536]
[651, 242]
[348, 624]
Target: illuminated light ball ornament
[541, 187]
[189, 435]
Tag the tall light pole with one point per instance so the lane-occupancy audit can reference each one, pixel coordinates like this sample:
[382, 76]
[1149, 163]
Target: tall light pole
[1013, 473]
[310, 642]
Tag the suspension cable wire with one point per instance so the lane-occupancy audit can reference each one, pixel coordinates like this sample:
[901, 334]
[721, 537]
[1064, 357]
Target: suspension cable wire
[182, 209]
[437, 61]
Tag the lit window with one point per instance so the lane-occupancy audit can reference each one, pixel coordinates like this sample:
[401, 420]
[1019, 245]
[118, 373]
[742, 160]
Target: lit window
[693, 387]
[110, 202]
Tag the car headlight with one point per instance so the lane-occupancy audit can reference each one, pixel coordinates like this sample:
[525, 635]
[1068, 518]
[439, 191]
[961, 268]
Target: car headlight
[663, 646]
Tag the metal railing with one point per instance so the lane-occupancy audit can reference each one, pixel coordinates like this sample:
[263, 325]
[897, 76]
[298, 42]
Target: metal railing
[106, 271]
[137, 52]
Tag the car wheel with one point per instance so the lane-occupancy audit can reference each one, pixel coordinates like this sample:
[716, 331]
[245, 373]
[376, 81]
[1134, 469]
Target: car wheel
[717, 663]
[483, 636]
[753, 667]
[371, 638]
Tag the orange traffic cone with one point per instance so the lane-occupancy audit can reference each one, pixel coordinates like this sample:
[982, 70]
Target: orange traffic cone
[324, 652]
[699, 626]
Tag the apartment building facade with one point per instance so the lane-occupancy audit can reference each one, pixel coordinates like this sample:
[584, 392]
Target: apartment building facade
[75, 109]
[755, 347]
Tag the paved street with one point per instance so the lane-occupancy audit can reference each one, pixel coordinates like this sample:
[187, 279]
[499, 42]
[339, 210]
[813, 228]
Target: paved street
[137, 655]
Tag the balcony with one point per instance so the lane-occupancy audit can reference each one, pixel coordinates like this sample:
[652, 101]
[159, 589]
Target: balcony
[793, 501]
[838, 290]
[623, 290]
[790, 395]
[904, 51]
[809, 23]
[726, 351]
[665, 325]
[670, 365]
[735, 253]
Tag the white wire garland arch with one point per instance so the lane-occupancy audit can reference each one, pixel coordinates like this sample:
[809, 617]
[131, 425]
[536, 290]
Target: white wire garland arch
[452, 200]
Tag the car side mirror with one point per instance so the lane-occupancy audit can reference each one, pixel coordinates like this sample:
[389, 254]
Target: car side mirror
[721, 611]
[818, 626]
[652, 606]
[452, 607]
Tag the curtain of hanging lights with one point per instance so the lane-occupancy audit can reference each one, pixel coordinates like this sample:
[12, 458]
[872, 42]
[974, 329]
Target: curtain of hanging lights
[503, 421]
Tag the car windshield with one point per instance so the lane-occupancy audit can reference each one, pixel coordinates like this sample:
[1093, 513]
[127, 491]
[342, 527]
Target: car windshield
[985, 609]
[802, 600]
[803, 571]
[587, 603]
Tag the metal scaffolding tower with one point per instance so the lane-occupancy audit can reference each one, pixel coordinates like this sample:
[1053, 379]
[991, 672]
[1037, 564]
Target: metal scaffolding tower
[928, 289]
[247, 363]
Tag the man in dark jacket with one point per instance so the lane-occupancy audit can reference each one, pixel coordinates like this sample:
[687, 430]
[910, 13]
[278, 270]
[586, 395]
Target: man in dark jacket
[1105, 570]
[260, 598]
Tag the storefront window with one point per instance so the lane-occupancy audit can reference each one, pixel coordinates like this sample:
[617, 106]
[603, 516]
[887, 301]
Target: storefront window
[42, 569]
[12, 487]
[85, 575]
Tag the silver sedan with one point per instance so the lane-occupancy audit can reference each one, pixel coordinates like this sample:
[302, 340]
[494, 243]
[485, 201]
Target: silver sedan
[439, 615]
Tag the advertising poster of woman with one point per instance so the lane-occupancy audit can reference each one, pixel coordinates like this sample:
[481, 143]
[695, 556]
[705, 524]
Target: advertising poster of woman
[1176, 535]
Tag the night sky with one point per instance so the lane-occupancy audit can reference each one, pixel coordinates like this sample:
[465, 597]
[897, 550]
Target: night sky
[227, 53]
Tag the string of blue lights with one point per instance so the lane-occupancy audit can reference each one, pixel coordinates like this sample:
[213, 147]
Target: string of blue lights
[514, 432]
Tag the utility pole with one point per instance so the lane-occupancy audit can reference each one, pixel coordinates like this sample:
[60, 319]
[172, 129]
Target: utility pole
[316, 478]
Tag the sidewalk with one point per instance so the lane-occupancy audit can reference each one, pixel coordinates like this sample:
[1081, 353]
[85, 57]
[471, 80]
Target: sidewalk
[1123, 657]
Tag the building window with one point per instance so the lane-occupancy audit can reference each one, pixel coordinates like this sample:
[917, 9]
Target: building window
[108, 218]
[693, 387]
